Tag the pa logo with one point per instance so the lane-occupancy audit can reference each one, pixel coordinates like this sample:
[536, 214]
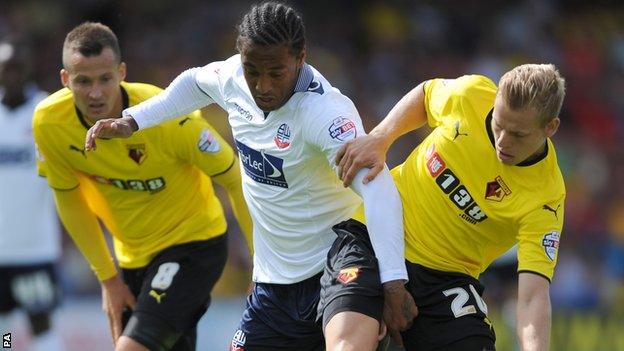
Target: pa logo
[6, 341]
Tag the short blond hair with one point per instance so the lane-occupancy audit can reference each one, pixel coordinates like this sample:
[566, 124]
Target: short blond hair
[534, 86]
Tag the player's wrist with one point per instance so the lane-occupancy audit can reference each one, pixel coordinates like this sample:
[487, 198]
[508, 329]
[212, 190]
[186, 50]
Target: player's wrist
[393, 285]
[131, 122]
[383, 138]
[111, 282]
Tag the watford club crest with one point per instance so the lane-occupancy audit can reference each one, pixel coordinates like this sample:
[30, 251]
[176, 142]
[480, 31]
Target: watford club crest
[496, 190]
[137, 153]
[348, 275]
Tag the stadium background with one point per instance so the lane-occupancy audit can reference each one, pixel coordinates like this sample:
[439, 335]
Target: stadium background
[375, 51]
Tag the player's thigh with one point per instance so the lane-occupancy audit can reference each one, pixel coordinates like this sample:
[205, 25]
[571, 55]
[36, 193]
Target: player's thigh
[351, 331]
[450, 309]
[281, 317]
[350, 280]
[175, 293]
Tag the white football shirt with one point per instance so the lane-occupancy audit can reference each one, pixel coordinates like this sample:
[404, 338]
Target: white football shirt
[29, 229]
[287, 157]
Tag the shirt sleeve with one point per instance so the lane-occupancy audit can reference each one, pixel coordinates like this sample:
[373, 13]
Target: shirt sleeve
[333, 126]
[538, 239]
[50, 161]
[328, 132]
[191, 90]
[198, 143]
[85, 231]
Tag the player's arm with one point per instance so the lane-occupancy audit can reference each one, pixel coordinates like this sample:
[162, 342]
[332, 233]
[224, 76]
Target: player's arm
[538, 246]
[384, 220]
[370, 150]
[85, 231]
[533, 312]
[230, 180]
[191, 90]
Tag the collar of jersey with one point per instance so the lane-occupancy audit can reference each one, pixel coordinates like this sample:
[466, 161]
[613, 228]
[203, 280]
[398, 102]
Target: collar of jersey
[124, 100]
[488, 128]
[306, 75]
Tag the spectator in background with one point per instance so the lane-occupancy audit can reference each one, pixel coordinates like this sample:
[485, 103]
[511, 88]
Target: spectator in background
[29, 229]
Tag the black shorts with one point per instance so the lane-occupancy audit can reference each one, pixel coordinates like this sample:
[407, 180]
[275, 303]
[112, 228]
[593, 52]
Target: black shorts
[288, 316]
[33, 288]
[350, 281]
[173, 293]
[451, 313]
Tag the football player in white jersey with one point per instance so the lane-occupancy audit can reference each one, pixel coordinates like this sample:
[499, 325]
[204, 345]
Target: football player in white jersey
[288, 123]
[29, 230]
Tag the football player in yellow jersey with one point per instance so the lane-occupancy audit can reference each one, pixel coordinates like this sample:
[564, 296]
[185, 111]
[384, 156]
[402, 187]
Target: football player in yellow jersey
[486, 178]
[153, 192]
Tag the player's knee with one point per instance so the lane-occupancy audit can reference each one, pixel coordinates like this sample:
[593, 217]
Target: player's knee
[39, 323]
[151, 332]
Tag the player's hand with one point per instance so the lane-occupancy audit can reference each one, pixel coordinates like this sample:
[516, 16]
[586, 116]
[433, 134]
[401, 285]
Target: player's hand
[399, 309]
[115, 297]
[110, 128]
[366, 151]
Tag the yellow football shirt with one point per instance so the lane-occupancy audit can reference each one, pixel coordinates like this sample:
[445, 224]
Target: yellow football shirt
[462, 206]
[151, 190]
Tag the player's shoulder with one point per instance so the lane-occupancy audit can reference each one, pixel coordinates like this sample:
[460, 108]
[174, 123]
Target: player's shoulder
[223, 70]
[469, 86]
[53, 108]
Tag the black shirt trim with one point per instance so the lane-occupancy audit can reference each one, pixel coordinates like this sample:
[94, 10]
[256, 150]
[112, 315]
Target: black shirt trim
[532, 272]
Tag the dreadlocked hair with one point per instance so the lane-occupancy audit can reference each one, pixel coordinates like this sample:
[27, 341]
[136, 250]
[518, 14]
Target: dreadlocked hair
[272, 23]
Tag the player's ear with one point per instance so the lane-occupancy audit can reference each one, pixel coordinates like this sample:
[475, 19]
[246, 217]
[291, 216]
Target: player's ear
[552, 126]
[301, 57]
[64, 77]
[122, 71]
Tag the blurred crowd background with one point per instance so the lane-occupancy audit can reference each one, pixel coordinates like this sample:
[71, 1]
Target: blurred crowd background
[376, 51]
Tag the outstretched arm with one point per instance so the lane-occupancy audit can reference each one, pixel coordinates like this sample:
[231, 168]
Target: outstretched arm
[533, 310]
[182, 96]
[369, 151]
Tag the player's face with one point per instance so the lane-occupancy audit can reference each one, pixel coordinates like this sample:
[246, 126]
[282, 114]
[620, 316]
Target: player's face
[94, 81]
[271, 73]
[519, 135]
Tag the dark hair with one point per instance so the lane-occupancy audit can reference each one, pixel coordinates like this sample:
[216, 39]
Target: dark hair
[271, 23]
[90, 38]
